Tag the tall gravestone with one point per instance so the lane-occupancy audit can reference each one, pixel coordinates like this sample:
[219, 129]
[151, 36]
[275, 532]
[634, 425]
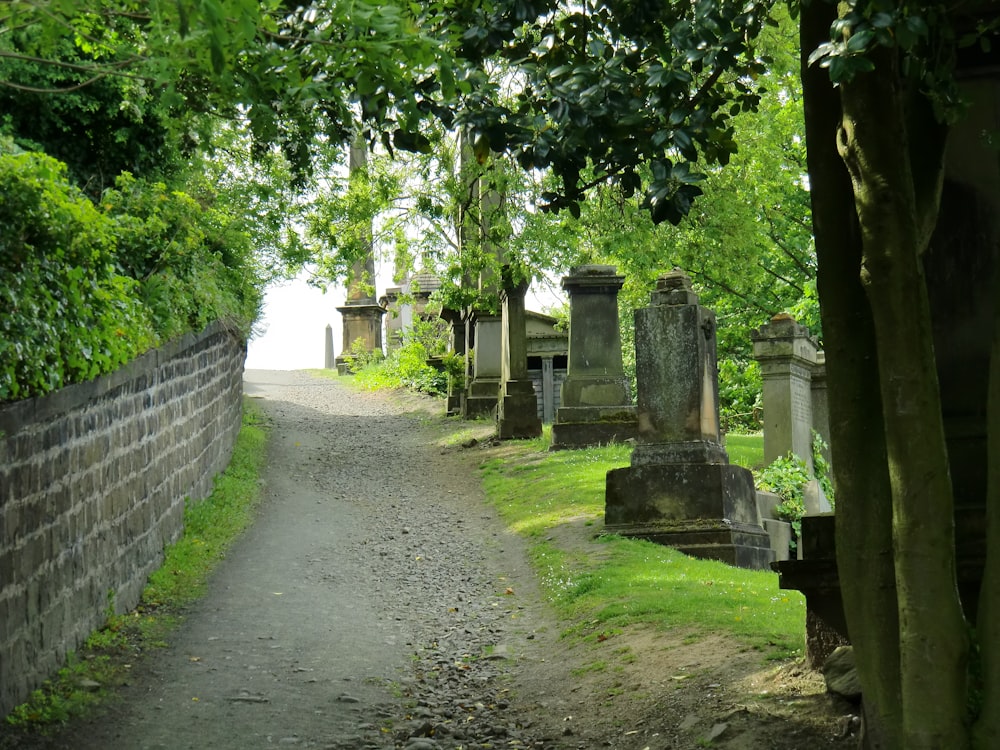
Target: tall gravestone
[517, 407]
[793, 375]
[595, 406]
[485, 333]
[680, 489]
[361, 315]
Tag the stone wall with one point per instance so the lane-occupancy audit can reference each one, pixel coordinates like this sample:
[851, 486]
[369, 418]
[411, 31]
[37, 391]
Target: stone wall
[93, 480]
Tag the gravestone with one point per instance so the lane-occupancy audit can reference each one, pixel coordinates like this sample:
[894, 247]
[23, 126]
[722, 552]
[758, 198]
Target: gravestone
[485, 334]
[361, 314]
[517, 408]
[787, 355]
[680, 489]
[794, 378]
[595, 406]
[456, 345]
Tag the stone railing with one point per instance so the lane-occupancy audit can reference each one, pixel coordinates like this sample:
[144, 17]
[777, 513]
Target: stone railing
[93, 480]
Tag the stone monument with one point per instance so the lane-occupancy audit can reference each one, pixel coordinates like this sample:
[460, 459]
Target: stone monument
[517, 408]
[595, 406]
[793, 372]
[485, 336]
[361, 315]
[680, 489]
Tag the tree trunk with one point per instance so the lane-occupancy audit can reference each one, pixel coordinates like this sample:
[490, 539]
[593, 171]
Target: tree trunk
[987, 727]
[933, 641]
[864, 508]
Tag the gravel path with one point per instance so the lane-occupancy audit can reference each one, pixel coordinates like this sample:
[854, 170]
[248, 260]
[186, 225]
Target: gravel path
[375, 603]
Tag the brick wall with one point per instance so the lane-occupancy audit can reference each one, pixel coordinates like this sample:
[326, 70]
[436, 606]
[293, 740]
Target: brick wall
[93, 480]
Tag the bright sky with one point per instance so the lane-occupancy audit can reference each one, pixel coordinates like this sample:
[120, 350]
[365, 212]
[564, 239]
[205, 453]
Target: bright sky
[294, 325]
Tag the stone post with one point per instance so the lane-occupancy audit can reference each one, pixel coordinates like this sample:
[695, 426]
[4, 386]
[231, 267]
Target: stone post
[517, 409]
[328, 361]
[393, 323]
[485, 357]
[820, 407]
[595, 406]
[787, 355]
[680, 489]
[457, 345]
[361, 315]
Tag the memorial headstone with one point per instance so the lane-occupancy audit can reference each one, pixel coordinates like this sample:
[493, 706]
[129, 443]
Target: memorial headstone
[680, 489]
[517, 408]
[595, 405]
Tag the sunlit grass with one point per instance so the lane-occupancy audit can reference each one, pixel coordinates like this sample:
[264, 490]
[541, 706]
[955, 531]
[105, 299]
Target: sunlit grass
[620, 582]
[746, 450]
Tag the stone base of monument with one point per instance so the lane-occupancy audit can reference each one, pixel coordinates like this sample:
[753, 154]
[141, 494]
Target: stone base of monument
[517, 412]
[481, 400]
[582, 426]
[704, 510]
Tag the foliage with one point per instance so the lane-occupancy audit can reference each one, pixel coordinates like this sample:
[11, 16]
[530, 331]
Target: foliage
[88, 288]
[70, 315]
[99, 128]
[409, 366]
[193, 266]
[360, 356]
[787, 477]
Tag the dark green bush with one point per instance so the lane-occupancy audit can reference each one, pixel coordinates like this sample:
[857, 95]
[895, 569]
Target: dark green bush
[67, 314]
[87, 288]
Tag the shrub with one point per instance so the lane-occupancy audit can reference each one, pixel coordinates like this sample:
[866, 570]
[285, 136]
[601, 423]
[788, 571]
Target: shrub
[85, 288]
[68, 314]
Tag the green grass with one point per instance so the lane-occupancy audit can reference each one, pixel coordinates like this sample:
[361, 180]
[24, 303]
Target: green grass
[746, 450]
[210, 527]
[619, 582]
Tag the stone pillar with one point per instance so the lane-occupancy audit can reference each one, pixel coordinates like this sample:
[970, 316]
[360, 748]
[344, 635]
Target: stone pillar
[680, 489]
[517, 409]
[548, 389]
[456, 345]
[485, 356]
[820, 407]
[595, 406]
[393, 323]
[787, 355]
[328, 361]
[361, 315]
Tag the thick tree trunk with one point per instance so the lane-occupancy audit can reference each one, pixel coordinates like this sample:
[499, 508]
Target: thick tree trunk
[987, 727]
[933, 642]
[864, 507]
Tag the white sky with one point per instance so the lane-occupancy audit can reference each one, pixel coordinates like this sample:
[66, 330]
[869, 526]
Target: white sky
[295, 318]
[294, 327]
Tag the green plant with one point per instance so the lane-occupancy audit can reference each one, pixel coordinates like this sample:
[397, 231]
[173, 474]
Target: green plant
[68, 314]
[360, 356]
[821, 467]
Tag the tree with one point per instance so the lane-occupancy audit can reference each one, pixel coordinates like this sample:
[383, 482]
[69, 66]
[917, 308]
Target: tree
[877, 156]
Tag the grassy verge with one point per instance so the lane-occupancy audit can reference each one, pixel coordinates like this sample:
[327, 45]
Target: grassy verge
[608, 582]
[105, 659]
